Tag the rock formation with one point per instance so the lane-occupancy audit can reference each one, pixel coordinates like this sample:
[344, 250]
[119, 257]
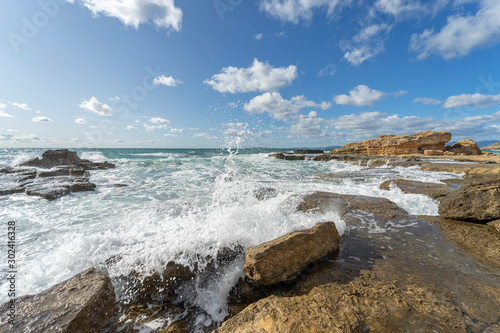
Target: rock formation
[58, 173]
[392, 145]
[432, 190]
[467, 147]
[478, 201]
[81, 304]
[283, 258]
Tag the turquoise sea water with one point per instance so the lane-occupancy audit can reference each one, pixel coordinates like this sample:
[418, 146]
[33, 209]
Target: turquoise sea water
[180, 205]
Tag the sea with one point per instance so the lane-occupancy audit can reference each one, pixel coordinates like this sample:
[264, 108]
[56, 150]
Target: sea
[179, 205]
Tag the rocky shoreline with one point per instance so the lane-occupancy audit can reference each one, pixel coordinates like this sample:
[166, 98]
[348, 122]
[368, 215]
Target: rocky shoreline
[389, 272]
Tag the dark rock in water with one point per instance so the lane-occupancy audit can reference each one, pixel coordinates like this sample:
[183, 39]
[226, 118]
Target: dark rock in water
[62, 172]
[265, 193]
[478, 201]
[432, 190]
[53, 158]
[49, 192]
[83, 304]
[120, 185]
[288, 157]
[324, 157]
[308, 151]
[280, 156]
[283, 258]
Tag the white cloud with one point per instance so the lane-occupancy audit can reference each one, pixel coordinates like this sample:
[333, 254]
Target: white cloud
[115, 99]
[130, 128]
[81, 121]
[399, 93]
[23, 106]
[161, 123]
[42, 120]
[6, 137]
[409, 7]
[258, 36]
[166, 81]
[328, 70]
[163, 13]
[93, 126]
[280, 108]
[176, 130]
[169, 135]
[360, 95]
[95, 106]
[427, 101]
[294, 11]
[309, 126]
[477, 100]
[368, 43]
[3, 114]
[206, 136]
[259, 77]
[461, 34]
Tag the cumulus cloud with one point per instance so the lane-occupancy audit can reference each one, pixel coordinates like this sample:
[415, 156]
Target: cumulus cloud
[258, 36]
[6, 137]
[166, 81]
[176, 130]
[427, 101]
[462, 33]
[130, 128]
[163, 13]
[3, 114]
[160, 123]
[309, 126]
[360, 95]
[95, 106]
[42, 120]
[259, 77]
[22, 106]
[477, 100]
[81, 121]
[280, 108]
[294, 11]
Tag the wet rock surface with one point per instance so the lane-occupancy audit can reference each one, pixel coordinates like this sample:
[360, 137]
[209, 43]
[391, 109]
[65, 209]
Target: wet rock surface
[58, 173]
[394, 273]
[83, 304]
[283, 258]
[432, 190]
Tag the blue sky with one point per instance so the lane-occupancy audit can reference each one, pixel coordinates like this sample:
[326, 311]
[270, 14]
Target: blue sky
[271, 73]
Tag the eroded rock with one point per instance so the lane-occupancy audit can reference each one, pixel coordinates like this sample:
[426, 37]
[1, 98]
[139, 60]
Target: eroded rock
[285, 257]
[83, 304]
[432, 190]
[393, 145]
[467, 147]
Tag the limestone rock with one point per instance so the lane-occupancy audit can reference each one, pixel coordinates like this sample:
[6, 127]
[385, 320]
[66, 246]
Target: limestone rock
[494, 226]
[391, 145]
[478, 201]
[285, 257]
[53, 158]
[467, 147]
[433, 152]
[432, 190]
[82, 304]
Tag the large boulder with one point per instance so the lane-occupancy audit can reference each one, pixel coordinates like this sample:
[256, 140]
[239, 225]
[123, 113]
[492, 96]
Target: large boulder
[393, 145]
[478, 201]
[82, 304]
[467, 147]
[283, 258]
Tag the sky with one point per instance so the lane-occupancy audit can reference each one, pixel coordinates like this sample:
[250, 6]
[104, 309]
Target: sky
[265, 73]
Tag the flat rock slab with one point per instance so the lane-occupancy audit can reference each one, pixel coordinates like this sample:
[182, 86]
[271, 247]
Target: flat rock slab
[432, 190]
[283, 258]
[82, 304]
[478, 201]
